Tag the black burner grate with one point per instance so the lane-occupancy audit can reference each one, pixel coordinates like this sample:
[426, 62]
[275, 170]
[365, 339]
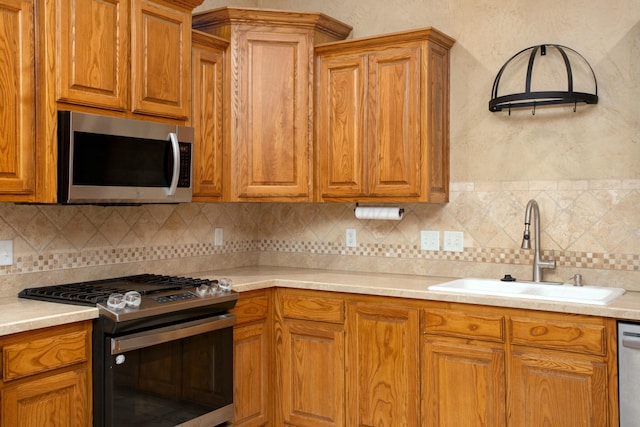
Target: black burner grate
[97, 291]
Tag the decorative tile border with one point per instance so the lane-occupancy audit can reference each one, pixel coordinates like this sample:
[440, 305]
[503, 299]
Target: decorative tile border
[604, 261]
[112, 256]
[102, 257]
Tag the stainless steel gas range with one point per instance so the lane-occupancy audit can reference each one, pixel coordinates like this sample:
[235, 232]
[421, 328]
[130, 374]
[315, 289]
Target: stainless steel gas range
[162, 348]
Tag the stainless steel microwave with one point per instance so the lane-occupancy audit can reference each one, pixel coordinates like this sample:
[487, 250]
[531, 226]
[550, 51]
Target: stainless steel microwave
[110, 160]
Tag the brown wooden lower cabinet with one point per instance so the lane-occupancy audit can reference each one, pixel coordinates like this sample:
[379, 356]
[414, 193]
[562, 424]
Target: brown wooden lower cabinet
[562, 370]
[335, 359]
[252, 349]
[45, 377]
[557, 389]
[462, 366]
[383, 360]
[61, 397]
[462, 383]
[312, 358]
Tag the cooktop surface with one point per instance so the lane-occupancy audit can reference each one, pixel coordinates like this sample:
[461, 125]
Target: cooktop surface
[98, 291]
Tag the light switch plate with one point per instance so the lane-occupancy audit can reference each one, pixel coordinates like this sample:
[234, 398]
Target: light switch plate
[453, 241]
[6, 252]
[429, 240]
[350, 238]
[218, 237]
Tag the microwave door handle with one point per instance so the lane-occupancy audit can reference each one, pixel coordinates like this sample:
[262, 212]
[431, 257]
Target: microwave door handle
[173, 137]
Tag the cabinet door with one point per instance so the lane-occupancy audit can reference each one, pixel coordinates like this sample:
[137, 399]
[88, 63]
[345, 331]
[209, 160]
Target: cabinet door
[92, 50]
[313, 373]
[252, 393]
[17, 98]
[340, 127]
[383, 368]
[462, 384]
[160, 59]
[393, 122]
[55, 400]
[435, 127]
[207, 120]
[250, 376]
[554, 389]
[270, 115]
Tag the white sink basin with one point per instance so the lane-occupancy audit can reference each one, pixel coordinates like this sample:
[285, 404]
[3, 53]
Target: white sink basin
[530, 290]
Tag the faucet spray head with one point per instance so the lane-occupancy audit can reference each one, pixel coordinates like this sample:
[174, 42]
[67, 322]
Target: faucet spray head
[526, 240]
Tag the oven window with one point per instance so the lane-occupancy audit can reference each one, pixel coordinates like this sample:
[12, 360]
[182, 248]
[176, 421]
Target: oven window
[174, 382]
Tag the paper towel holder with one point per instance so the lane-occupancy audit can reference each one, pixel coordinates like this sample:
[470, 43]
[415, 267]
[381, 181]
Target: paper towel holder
[378, 212]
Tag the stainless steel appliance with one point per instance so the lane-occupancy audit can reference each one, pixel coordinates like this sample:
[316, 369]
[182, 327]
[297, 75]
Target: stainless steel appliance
[629, 373]
[162, 348]
[110, 160]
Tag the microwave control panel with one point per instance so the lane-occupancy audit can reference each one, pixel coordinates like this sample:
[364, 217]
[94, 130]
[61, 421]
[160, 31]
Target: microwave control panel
[184, 180]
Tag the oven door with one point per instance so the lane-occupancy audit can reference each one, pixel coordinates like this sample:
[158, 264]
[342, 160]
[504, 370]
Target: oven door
[175, 375]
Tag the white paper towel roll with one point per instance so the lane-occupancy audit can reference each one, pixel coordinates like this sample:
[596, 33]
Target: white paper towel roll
[363, 212]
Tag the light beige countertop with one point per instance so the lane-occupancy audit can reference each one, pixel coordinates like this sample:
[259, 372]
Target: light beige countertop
[406, 286]
[18, 315]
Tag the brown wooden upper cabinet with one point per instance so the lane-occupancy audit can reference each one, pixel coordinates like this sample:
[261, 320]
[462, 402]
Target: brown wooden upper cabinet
[160, 59]
[120, 57]
[382, 118]
[268, 128]
[124, 55]
[207, 115]
[17, 100]
[92, 52]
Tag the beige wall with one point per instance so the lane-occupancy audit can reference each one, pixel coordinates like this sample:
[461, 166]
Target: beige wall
[598, 142]
[583, 168]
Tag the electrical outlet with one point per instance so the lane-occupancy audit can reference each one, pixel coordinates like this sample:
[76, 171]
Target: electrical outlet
[429, 240]
[218, 237]
[6, 252]
[453, 241]
[350, 238]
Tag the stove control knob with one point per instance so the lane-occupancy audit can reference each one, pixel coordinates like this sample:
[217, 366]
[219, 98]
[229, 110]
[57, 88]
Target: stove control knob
[203, 290]
[132, 299]
[225, 284]
[116, 302]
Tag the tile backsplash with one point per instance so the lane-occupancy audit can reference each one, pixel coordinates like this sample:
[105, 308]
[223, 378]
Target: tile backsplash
[591, 227]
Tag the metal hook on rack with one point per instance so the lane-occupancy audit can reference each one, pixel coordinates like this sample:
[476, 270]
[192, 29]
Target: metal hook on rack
[533, 112]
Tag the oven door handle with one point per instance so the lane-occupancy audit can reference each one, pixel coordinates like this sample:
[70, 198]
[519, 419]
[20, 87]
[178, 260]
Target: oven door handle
[171, 333]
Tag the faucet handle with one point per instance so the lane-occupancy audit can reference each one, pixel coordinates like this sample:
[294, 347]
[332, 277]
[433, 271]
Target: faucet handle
[550, 263]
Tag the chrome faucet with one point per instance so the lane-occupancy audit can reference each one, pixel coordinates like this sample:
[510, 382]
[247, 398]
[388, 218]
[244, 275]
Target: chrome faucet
[538, 264]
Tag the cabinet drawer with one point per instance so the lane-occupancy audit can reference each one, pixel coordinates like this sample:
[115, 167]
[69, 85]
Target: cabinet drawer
[43, 354]
[462, 324]
[251, 309]
[313, 308]
[566, 336]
